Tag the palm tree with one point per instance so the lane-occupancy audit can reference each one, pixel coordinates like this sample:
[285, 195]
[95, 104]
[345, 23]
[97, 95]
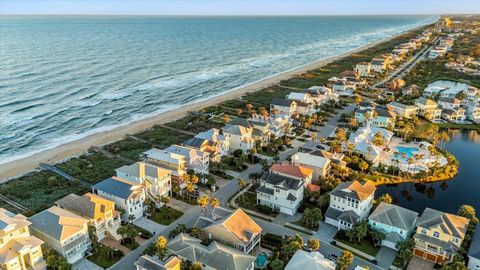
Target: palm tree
[215, 202]
[445, 138]
[226, 118]
[350, 147]
[203, 202]
[161, 245]
[313, 244]
[242, 183]
[344, 261]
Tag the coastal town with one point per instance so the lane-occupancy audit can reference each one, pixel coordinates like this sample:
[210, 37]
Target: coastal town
[281, 178]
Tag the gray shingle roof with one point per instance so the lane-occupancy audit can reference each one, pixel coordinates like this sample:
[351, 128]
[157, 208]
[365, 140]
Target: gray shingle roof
[474, 251]
[281, 181]
[448, 223]
[349, 217]
[395, 216]
[282, 102]
[81, 205]
[117, 188]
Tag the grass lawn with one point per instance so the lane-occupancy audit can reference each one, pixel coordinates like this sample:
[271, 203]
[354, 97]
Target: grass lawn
[365, 245]
[165, 215]
[249, 201]
[92, 167]
[39, 190]
[194, 123]
[143, 233]
[161, 138]
[128, 148]
[104, 256]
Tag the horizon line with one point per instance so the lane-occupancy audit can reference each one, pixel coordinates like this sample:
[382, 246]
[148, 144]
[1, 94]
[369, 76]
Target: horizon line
[235, 15]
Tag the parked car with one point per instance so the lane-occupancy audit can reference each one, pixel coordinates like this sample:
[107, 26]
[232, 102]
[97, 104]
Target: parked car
[332, 257]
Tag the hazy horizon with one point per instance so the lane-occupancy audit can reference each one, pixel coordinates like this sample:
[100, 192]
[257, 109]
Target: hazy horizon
[238, 7]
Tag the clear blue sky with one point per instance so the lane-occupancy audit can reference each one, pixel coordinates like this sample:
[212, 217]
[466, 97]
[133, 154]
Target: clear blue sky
[238, 7]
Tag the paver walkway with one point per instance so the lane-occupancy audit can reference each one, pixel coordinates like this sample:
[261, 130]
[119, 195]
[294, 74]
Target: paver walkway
[417, 263]
[149, 225]
[115, 244]
[85, 264]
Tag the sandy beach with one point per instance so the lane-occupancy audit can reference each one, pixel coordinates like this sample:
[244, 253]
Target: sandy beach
[22, 166]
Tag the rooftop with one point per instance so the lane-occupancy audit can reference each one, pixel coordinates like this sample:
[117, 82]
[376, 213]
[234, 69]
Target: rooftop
[354, 190]
[394, 215]
[292, 170]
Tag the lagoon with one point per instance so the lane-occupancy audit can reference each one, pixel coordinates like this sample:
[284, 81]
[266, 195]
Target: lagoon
[449, 195]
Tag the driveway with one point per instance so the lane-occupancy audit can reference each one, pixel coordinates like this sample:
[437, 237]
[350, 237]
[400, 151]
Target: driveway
[85, 264]
[149, 225]
[385, 257]
[332, 124]
[417, 263]
[326, 232]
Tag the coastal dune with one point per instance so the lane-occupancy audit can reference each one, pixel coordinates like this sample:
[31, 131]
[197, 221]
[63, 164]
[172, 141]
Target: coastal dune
[22, 166]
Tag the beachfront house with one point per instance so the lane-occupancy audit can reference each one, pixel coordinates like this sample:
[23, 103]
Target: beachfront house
[234, 228]
[196, 160]
[240, 137]
[147, 262]
[156, 181]
[18, 249]
[261, 129]
[99, 212]
[322, 94]
[319, 165]
[402, 110]
[350, 202]
[363, 68]
[363, 139]
[309, 260]
[439, 235]
[64, 231]
[474, 251]
[428, 108]
[127, 195]
[175, 163]
[378, 66]
[302, 97]
[215, 256]
[210, 141]
[277, 125]
[397, 223]
[380, 117]
[283, 106]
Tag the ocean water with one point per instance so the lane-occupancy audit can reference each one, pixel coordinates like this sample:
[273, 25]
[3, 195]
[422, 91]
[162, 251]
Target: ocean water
[63, 78]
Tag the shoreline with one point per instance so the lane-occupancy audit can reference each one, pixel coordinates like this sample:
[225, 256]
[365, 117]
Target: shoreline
[21, 166]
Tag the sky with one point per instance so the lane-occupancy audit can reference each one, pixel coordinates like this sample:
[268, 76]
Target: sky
[239, 7]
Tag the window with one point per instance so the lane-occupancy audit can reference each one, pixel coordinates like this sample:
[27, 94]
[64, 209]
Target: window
[102, 208]
[436, 234]
[424, 231]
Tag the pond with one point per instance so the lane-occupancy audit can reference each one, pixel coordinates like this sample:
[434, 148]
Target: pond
[449, 195]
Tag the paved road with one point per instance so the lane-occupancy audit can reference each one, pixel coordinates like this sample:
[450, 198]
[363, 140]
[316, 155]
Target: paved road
[332, 124]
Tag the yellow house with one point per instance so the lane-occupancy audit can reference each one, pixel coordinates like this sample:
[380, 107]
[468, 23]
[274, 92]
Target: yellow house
[18, 249]
[439, 235]
[100, 212]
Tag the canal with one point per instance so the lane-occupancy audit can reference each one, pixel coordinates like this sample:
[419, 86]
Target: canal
[446, 196]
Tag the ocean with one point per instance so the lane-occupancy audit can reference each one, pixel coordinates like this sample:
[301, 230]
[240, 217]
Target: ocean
[65, 77]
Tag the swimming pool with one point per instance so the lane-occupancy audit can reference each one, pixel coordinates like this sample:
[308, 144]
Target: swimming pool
[261, 259]
[404, 153]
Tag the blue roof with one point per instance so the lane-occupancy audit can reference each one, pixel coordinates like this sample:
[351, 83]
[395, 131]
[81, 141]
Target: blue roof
[474, 251]
[116, 188]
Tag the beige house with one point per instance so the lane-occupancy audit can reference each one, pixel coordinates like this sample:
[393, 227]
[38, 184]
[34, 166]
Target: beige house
[363, 69]
[18, 249]
[439, 235]
[64, 231]
[319, 165]
[240, 137]
[100, 212]
[402, 110]
[235, 228]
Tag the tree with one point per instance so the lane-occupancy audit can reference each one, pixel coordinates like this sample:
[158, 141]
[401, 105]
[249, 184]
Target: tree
[214, 202]
[405, 251]
[467, 211]
[55, 261]
[128, 232]
[386, 198]
[363, 166]
[341, 134]
[311, 217]
[161, 245]
[378, 139]
[344, 261]
[203, 202]
[226, 117]
[457, 264]
[181, 228]
[313, 244]
[277, 264]
[377, 237]
[196, 232]
[242, 183]
[292, 245]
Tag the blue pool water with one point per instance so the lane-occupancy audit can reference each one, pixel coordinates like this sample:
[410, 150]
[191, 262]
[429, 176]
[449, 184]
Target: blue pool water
[261, 259]
[408, 151]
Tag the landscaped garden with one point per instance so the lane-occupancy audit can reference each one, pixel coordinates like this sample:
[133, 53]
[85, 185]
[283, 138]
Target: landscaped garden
[362, 239]
[248, 200]
[104, 256]
[165, 215]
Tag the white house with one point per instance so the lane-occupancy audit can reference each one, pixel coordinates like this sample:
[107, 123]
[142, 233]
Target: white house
[176, 163]
[64, 231]
[397, 223]
[378, 66]
[240, 137]
[302, 97]
[350, 202]
[283, 106]
[449, 103]
[127, 195]
[280, 192]
[473, 112]
[197, 160]
[378, 117]
[474, 251]
[428, 108]
[363, 141]
[309, 261]
[454, 115]
[217, 144]
[402, 110]
[363, 69]
[319, 165]
[344, 88]
[322, 94]
[157, 181]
